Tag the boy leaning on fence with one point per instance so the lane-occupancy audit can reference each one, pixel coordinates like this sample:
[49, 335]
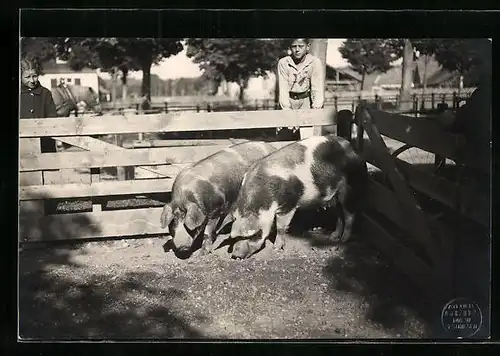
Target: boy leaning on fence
[36, 100]
[301, 81]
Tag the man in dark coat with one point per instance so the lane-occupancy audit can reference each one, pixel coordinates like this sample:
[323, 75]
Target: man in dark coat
[36, 100]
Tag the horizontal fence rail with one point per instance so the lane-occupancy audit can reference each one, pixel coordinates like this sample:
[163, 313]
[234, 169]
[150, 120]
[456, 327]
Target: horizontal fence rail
[173, 122]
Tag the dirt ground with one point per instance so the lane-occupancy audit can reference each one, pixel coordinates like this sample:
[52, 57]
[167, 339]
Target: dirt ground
[134, 289]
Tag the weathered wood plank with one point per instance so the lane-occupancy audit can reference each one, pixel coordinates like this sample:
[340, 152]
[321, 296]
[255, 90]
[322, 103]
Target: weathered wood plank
[29, 147]
[91, 144]
[165, 171]
[141, 156]
[30, 212]
[473, 205]
[422, 133]
[174, 122]
[384, 201]
[401, 256]
[119, 223]
[177, 143]
[128, 187]
[415, 216]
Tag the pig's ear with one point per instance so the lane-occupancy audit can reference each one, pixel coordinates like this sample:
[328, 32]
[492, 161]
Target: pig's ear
[166, 216]
[194, 217]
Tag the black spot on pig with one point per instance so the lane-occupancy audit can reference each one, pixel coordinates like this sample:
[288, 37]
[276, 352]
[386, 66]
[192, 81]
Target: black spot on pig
[262, 190]
[326, 168]
[206, 197]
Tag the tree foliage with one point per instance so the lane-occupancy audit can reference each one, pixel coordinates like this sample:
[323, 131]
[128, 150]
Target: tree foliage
[367, 56]
[235, 59]
[468, 57]
[38, 50]
[112, 54]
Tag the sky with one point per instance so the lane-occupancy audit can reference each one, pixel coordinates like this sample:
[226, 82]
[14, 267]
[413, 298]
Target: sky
[180, 66]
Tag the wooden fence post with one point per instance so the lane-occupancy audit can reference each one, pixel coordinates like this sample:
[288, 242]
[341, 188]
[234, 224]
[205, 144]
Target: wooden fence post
[415, 103]
[209, 109]
[30, 211]
[336, 103]
[95, 177]
[166, 107]
[360, 129]
[433, 101]
[120, 171]
[197, 107]
[443, 98]
[454, 100]
[378, 102]
[344, 124]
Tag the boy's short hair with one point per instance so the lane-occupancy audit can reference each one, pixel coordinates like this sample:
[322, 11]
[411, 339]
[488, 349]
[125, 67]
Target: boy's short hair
[27, 64]
[306, 40]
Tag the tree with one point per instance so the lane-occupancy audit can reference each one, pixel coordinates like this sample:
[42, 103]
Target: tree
[144, 52]
[470, 58]
[367, 56]
[38, 50]
[116, 55]
[235, 59]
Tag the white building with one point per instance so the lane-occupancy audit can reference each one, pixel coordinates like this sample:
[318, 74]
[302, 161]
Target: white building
[55, 71]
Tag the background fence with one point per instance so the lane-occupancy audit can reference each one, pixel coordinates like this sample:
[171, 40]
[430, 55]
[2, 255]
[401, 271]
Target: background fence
[338, 100]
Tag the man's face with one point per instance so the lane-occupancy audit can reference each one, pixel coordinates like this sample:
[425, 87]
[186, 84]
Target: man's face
[29, 78]
[299, 49]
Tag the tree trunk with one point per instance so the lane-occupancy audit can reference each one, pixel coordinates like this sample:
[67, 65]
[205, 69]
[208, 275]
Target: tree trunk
[243, 83]
[407, 76]
[424, 79]
[124, 86]
[363, 76]
[114, 75]
[146, 79]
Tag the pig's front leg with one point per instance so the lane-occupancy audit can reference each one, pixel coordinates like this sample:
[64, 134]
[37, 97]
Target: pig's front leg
[282, 224]
[208, 237]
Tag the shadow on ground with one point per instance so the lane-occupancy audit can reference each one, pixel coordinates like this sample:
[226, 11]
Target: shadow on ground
[61, 298]
[99, 306]
[392, 298]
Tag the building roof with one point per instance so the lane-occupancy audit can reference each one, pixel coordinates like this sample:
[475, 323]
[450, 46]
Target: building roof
[435, 74]
[52, 67]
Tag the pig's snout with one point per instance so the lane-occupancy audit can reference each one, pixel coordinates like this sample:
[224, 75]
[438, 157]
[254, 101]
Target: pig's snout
[182, 241]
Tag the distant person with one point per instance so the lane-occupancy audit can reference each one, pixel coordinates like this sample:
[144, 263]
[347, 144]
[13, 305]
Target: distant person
[301, 81]
[36, 100]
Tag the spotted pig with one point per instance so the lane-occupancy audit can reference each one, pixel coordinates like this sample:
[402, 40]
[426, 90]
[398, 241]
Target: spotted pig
[319, 171]
[203, 193]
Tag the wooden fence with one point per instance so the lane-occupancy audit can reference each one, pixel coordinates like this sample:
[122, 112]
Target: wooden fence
[421, 247]
[339, 101]
[97, 155]
[398, 221]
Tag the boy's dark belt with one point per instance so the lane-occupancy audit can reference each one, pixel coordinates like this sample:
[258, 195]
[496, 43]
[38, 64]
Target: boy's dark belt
[297, 96]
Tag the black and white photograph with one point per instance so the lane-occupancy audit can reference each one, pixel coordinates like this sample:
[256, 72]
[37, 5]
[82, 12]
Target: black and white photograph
[243, 188]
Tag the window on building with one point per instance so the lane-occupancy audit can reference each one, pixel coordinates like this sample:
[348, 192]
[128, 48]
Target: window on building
[68, 80]
[77, 81]
[53, 83]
